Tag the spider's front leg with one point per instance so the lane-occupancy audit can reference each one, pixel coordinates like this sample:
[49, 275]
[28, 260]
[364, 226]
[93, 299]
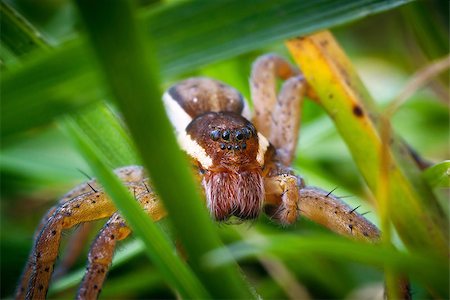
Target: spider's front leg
[287, 197]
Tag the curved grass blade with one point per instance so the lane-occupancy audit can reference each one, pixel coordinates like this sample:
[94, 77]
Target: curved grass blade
[102, 127]
[157, 246]
[130, 71]
[341, 93]
[438, 175]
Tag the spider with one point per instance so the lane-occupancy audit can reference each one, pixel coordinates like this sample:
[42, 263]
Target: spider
[242, 164]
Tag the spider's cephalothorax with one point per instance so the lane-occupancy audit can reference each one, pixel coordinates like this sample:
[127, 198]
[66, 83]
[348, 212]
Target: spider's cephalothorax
[233, 182]
[226, 146]
[242, 165]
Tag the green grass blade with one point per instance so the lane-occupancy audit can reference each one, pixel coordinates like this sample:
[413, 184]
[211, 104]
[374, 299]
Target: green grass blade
[341, 93]
[438, 175]
[184, 39]
[158, 247]
[421, 265]
[38, 95]
[17, 33]
[99, 124]
[134, 82]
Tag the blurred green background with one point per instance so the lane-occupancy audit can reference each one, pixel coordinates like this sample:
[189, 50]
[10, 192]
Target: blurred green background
[39, 165]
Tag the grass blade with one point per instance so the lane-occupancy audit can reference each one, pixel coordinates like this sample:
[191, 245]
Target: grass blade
[420, 265]
[102, 128]
[342, 95]
[157, 246]
[131, 74]
[438, 175]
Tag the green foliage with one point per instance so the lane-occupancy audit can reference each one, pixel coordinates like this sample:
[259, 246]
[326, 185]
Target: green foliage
[39, 85]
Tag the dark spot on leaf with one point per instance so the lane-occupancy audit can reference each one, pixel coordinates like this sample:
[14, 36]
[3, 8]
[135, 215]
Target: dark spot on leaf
[357, 111]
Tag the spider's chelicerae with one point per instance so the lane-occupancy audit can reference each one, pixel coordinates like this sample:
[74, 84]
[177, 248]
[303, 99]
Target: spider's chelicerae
[242, 162]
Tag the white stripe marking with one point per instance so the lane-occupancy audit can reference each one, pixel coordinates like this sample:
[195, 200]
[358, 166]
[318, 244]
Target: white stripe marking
[263, 145]
[246, 112]
[177, 116]
[195, 150]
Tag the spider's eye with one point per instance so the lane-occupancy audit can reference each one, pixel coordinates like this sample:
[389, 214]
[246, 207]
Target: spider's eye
[239, 135]
[247, 133]
[215, 134]
[236, 147]
[222, 146]
[244, 146]
[226, 135]
[229, 147]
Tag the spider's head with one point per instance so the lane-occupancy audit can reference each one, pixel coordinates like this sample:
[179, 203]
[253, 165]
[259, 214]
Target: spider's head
[207, 117]
[230, 153]
[228, 141]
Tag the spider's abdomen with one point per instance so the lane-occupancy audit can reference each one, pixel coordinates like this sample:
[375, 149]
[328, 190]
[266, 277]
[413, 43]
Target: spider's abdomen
[199, 95]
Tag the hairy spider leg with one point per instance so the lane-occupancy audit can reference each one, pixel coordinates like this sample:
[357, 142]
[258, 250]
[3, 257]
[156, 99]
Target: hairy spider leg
[28, 269]
[126, 174]
[284, 187]
[100, 257]
[278, 118]
[73, 249]
[316, 205]
[102, 250]
[286, 115]
[84, 208]
[328, 210]
[263, 81]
